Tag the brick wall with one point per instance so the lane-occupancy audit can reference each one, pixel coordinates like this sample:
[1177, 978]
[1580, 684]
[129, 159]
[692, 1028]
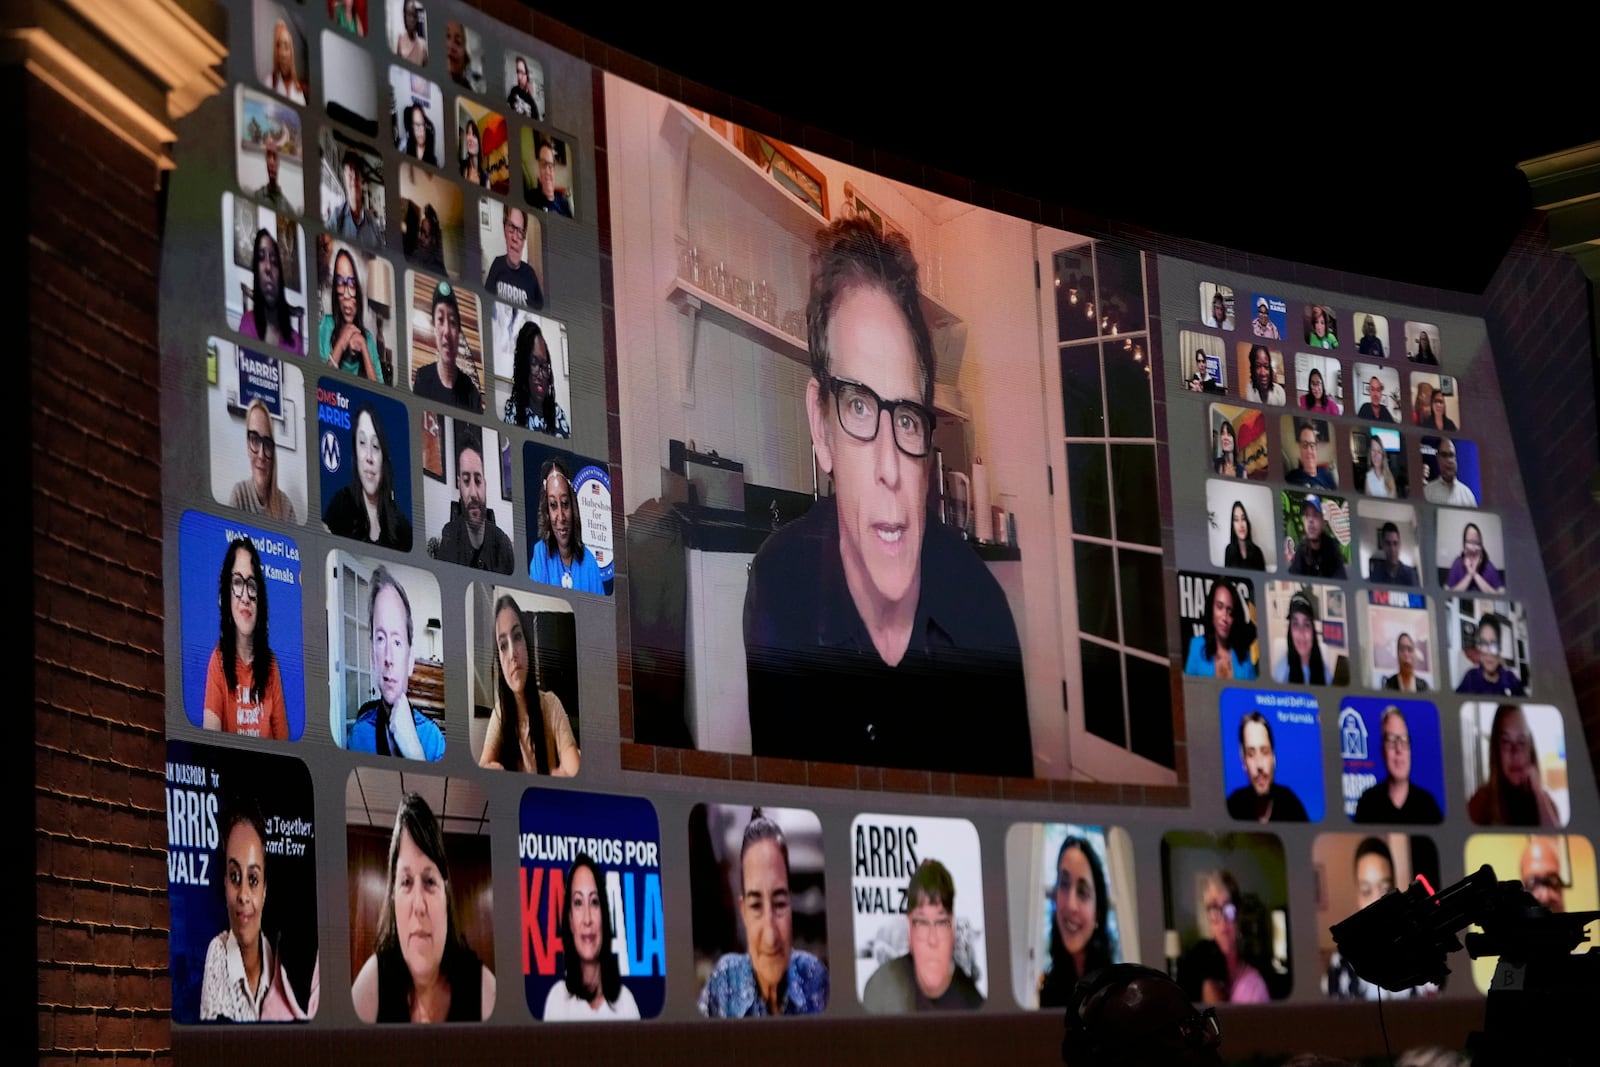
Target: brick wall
[1540, 322]
[93, 251]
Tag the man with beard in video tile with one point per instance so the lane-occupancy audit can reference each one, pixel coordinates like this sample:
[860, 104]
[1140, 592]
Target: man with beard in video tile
[872, 635]
[471, 538]
[1263, 799]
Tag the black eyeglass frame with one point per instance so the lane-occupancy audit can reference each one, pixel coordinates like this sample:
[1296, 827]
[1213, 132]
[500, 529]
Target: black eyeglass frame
[926, 416]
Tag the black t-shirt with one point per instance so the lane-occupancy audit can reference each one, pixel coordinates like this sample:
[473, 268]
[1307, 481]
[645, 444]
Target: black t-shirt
[1420, 807]
[1286, 807]
[464, 394]
[519, 284]
[522, 102]
[1325, 561]
[820, 691]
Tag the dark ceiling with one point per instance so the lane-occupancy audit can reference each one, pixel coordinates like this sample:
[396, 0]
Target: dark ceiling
[1351, 142]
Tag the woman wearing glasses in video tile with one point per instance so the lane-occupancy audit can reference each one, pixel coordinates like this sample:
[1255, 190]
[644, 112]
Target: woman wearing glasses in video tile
[259, 494]
[343, 338]
[244, 693]
[1220, 901]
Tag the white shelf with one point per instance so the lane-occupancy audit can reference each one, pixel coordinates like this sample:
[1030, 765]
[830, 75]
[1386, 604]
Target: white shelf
[741, 172]
[686, 294]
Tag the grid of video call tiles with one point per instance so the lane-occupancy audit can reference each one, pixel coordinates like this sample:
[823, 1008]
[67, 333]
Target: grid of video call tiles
[387, 196]
[1355, 523]
[1356, 622]
[389, 349]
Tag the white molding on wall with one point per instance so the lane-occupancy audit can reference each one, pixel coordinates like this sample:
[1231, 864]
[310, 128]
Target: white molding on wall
[132, 65]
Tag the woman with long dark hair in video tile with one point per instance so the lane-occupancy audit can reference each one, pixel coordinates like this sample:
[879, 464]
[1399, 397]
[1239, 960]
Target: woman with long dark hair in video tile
[472, 155]
[559, 556]
[1316, 397]
[1242, 552]
[1079, 941]
[1223, 650]
[1227, 462]
[509, 742]
[1514, 794]
[270, 317]
[1425, 353]
[343, 337]
[428, 250]
[1473, 571]
[591, 988]
[419, 136]
[259, 494]
[365, 509]
[1435, 417]
[423, 970]
[1302, 662]
[244, 692]
[773, 977]
[1422, 404]
[532, 403]
[239, 968]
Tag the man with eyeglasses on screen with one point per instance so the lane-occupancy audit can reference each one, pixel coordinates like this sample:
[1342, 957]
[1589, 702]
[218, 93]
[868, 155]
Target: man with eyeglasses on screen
[510, 276]
[1397, 798]
[926, 978]
[872, 634]
[1308, 473]
[544, 196]
[1541, 873]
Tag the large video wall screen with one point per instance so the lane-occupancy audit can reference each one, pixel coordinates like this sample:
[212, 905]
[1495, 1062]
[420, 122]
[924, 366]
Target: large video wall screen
[727, 582]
